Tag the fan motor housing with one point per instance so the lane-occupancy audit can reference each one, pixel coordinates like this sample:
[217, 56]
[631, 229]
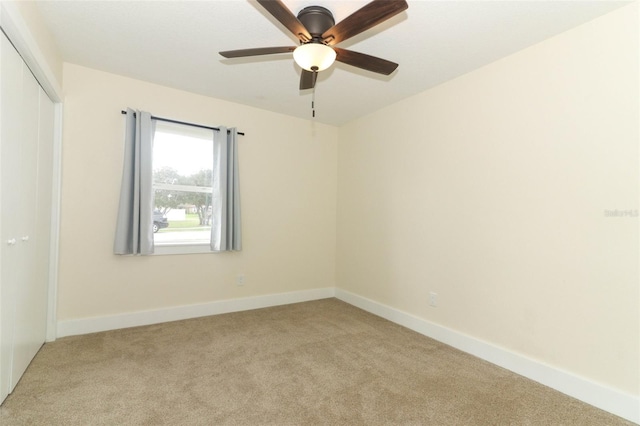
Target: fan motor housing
[316, 20]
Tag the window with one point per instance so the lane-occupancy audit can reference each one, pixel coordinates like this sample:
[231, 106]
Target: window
[181, 180]
[182, 184]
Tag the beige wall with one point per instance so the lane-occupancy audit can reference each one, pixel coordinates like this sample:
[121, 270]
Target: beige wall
[288, 186]
[491, 190]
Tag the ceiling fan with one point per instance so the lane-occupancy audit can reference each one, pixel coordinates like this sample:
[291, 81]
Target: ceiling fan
[318, 34]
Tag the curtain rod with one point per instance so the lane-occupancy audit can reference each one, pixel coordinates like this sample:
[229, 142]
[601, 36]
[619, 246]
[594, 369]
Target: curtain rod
[168, 120]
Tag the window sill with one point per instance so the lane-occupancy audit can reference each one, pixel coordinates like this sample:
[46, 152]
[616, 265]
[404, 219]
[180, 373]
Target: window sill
[165, 249]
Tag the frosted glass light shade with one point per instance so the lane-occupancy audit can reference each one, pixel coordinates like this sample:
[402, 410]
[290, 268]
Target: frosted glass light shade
[314, 55]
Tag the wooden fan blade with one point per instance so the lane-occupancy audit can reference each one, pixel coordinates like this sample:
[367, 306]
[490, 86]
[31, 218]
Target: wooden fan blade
[364, 61]
[308, 80]
[279, 11]
[362, 19]
[256, 52]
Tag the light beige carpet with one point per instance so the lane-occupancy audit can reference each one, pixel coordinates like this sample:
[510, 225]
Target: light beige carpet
[321, 362]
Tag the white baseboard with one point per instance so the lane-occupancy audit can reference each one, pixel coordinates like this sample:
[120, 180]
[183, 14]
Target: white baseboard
[135, 319]
[619, 403]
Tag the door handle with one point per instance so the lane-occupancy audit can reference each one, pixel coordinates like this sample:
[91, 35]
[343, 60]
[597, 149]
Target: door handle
[11, 242]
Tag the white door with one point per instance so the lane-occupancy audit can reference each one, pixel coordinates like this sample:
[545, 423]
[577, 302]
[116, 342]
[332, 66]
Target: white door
[10, 129]
[31, 293]
[25, 231]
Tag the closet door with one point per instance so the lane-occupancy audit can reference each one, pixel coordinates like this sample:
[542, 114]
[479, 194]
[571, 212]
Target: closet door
[10, 256]
[26, 158]
[31, 292]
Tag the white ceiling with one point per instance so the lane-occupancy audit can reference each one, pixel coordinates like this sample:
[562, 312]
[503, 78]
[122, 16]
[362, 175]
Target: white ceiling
[175, 43]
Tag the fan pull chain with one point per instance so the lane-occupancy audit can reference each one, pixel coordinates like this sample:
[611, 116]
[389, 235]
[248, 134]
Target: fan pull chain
[313, 92]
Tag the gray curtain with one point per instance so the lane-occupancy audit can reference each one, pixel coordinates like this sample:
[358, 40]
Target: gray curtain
[134, 233]
[226, 232]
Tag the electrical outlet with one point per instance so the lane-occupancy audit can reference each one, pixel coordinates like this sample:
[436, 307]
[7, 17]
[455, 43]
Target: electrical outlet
[240, 279]
[433, 299]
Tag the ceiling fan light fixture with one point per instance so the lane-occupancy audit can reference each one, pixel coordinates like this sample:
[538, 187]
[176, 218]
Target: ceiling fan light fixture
[314, 55]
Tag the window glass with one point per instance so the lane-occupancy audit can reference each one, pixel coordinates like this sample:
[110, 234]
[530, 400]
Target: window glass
[182, 173]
